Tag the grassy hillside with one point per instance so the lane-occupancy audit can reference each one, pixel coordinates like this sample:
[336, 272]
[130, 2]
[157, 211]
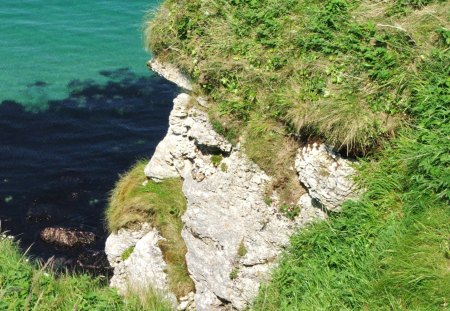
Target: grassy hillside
[370, 78]
[280, 72]
[26, 286]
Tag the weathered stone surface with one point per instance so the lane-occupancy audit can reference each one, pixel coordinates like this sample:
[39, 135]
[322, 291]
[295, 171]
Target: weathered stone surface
[171, 73]
[67, 237]
[225, 212]
[144, 268]
[326, 175]
[233, 237]
[187, 302]
[117, 243]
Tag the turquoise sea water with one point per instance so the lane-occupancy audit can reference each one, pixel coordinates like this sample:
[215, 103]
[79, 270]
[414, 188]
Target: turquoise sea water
[78, 107]
[45, 44]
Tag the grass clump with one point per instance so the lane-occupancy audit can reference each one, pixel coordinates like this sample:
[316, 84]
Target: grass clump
[24, 285]
[135, 200]
[224, 167]
[290, 211]
[127, 253]
[234, 274]
[216, 159]
[242, 250]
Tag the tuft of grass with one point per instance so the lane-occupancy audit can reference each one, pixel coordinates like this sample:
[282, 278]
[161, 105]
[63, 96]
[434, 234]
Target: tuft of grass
[216, 159]
[242, 250]
[234, 274]
[137, 200]
[290, 211]
[224, 167]
[25, 285]
[127, 253]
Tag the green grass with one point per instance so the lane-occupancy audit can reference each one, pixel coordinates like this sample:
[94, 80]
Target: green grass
[319, 68]
[127, 253]
[369, 78]
[216, 159]
[242, 250]
[26, 286]
[234, 274]
[136, 200]
[389, 251]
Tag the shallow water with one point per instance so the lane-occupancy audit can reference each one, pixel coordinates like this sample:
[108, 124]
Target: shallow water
[77, 108]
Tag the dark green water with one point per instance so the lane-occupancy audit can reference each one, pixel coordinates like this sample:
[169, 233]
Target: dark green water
[77, 108]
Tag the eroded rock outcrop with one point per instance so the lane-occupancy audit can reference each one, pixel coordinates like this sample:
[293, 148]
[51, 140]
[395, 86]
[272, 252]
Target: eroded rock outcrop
[326, 175]
[143, 267]
[233, 237]
[171, 73]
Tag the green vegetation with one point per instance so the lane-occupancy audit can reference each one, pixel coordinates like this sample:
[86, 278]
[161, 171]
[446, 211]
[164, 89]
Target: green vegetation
[290, 211]
[216, 159]
[234, 274]
[224, 167]
[335, 69]
[367, 77]
[26, 286]
[242, 250]
[127, 253]
[137, 200]
[390, 251]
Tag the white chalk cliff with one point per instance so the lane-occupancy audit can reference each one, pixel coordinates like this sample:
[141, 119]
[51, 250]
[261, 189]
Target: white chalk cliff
[233, 237]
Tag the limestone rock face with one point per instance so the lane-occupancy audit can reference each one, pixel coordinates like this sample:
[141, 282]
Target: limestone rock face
[171, 73]
[326, 175]
[144, 268]
[233, 238]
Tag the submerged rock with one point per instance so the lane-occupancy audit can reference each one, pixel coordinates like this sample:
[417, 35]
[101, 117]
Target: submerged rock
[93, 260]
[67, 237]
[42, 213]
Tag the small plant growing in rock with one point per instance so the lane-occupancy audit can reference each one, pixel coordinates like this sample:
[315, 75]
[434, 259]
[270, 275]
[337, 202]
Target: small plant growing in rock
[216, 159]
[268, 200]
[234, 274]
[127, 253]
[224, 167]
[242, 250]
[290, 211]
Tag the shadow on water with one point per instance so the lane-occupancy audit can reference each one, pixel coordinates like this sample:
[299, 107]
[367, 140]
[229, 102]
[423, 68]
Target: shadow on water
[58, 165]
